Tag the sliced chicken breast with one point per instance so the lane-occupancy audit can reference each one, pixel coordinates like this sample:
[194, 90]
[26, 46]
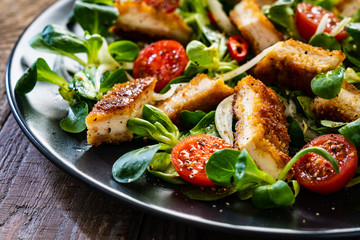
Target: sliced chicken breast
[344, 108]
[141, 18]
[202, 93]
[106, 123]
[293, 64]
[254, 26]
[261, 128]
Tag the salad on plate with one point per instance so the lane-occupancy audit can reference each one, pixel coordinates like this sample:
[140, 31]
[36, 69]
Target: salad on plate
[249, 98]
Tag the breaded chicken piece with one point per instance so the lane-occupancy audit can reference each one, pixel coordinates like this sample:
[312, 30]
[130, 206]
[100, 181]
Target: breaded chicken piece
[348, 8]
[259, 32]
[293, 64]
[106, 123]
[142, 18]
[261, 128]
[202, 93]
[344, 108]
[265, 2]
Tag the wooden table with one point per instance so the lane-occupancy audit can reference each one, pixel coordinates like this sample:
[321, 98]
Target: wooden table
[38, 200]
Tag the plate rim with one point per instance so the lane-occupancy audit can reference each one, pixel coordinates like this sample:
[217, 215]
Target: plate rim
[166, 213]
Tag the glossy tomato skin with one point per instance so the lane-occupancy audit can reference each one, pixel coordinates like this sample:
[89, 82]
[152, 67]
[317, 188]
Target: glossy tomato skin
[190, 156]
[165, 59]
[317, 174]
[167, 5]
[308, 17]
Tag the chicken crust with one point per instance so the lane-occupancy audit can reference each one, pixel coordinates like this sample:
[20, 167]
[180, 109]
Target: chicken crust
[261, 128]
[202, 93]
[138, 17]
[343, 108]
[107, 120]
[259, 32]
[293, 64]
[347, 8]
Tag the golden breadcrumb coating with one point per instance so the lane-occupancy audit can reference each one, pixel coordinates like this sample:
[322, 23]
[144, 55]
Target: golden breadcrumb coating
[142, 18]
[344, 108]
[261, 128]
[293, 64]
[202, 93]
[107, 120]
[257, 29]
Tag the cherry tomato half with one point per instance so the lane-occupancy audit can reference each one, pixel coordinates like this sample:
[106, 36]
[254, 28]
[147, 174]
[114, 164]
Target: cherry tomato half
[165, 59]
[190, 156]
[316, 174]
[308, 17]
[167, 5]
[238, 48]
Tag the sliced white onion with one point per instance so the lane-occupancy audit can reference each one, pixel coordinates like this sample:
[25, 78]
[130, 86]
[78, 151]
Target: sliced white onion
[223, 119]
[100, 70]
[221, 18]
[243, 68]
[168, 94]
[339, 27]
[322, 25]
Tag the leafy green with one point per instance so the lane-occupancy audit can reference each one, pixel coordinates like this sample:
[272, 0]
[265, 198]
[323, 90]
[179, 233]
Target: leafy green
[327, 4]
[206, 125]
[181, 79]
[353, 30]
[190, 119]
[326, 41]
[155, 125]
[201, 55]
[130, 166]
[75, 120]
[161, 167]
[95, 18]
[84, 87]
[328, 85]
[296, 133]
[126, 51]
[352, 132]
[282, 13]
[351, 49]
[118, 76]
[304, 103]
[39, 71]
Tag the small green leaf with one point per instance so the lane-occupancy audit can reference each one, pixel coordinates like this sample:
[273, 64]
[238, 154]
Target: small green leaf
[115, 77]
[190, 119]
[161, 167]
[353, 30]
[39, 71]
[95, 18]
[296, 133]
[93, 44]
[331, 124]
[75, 120]
[126, 51]
[275, 195]
[220, 168]
[352, 132]
[84, 87]
[59, 38]
[200, 55]
[328, 85]
[130, 166]
[206, 126]
[153, 114]
[325, 41]
[304, 102]
[181, 79]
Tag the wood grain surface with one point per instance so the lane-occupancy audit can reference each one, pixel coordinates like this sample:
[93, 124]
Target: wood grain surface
[38, 200]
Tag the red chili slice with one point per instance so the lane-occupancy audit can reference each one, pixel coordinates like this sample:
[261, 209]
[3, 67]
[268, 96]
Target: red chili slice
[238, 48]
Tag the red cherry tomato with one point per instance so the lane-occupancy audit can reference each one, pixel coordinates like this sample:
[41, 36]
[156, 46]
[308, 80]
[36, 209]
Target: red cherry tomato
[165, 59]
[238, 48]
[316, 174]
[167, 5]
[190, 156]
[308, 17]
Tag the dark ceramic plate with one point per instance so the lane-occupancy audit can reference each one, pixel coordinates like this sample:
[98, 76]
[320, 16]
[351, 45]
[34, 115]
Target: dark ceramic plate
[39, 112]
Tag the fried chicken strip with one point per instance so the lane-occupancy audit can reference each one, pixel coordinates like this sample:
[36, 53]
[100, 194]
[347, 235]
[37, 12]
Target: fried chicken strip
[261, 128]
[343, 108]
[141, 18]
[202, 93]
[293, 64]
[106, 122]
[259, 32]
